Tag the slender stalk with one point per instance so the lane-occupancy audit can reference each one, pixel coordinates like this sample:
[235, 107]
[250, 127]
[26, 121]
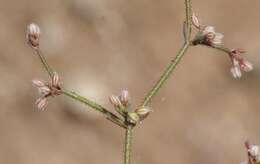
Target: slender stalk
[44, 62]
[188, 11]
[166, 74]
[128, 144]
[110, 116]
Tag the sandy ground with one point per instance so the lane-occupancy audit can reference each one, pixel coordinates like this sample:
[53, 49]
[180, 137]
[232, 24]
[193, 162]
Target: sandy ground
[99, 47]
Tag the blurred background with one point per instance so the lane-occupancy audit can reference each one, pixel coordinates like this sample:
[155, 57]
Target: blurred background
[202, 114]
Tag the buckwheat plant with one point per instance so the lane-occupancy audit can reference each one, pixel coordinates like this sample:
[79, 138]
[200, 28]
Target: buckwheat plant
[124, 115]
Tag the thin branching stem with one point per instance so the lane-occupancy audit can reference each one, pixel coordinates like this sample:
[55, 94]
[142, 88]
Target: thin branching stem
[166, 74]
[109, 115]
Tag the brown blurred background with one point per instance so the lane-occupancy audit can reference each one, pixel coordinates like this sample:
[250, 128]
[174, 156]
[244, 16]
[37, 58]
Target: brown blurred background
[202, 114]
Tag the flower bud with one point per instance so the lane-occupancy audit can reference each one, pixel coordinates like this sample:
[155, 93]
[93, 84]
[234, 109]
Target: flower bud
[41, 103]
[55, 79]
[143, 112]
[33, 35]
[124, 97]
[195, 21]
[38, 83]
[115, 100]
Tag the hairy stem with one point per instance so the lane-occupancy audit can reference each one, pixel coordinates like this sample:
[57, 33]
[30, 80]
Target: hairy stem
[110, 116]
[128, 144]
[166, 74]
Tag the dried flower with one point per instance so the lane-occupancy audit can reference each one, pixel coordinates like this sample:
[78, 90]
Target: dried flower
[46, 90]
[239, 63]
[33, 35]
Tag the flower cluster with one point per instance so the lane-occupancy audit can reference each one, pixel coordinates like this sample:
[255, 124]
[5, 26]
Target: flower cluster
[122, 106]
[46, 90]
[207, 36]
[253, 152]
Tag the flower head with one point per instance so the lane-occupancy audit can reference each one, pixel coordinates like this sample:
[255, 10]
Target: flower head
[46, 90]
[239, 64]
[33, 35]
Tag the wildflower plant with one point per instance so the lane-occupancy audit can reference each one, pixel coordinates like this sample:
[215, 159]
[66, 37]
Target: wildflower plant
[124, 115]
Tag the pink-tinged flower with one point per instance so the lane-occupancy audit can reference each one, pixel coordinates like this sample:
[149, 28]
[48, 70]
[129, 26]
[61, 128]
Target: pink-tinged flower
[33, 35]
[124, 97]
[239, 64]
[41, 103]
[46, 90]
[211, 37]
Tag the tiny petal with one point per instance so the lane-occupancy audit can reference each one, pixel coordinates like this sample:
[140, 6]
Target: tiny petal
[254, 150]
[38, 83]
[44, 90]
[124, 97]
[56, 80]
[218, 38]
[246, 66]
[209, 29]
[115, 100]
[33, 35]
[195, 21]
[41, 103]
[236, 72]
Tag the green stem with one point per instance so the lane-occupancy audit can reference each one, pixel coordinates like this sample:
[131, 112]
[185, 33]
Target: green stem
[188, 11]
[45, 63]
[128, 144]
[166, 74]
[110, 116]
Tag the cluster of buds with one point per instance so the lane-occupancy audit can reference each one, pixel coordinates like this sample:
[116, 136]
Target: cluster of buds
[239, 63]
[33, 35]
[122, 106]
[253, 152]
[206, 35]
[46, 90]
